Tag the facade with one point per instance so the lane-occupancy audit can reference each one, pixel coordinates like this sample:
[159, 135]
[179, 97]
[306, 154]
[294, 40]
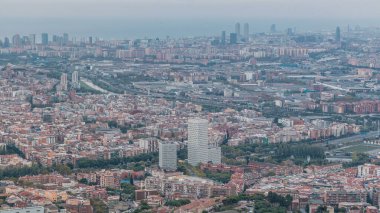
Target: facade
[199, 150]
[75, 79]
[34, 209]
[223, 38]
[197, 141]
[64, 81]
[233, 38]
[168, 156]
[237, 29]
[337, 34]
[335, 197]
[215, 155]
[45, 38]
[32, 39]
[246, 31]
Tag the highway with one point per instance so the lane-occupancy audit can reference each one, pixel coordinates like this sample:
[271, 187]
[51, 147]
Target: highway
[354, 138]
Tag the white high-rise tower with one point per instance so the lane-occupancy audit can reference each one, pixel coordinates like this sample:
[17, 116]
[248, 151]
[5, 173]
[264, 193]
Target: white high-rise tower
[64, 81]
[74, 77]
[199, 150]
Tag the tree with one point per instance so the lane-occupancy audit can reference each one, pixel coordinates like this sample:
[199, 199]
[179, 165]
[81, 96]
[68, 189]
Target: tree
[83, 181]
[112, 124]
[98, 205]
[322, 209]
[177, 203]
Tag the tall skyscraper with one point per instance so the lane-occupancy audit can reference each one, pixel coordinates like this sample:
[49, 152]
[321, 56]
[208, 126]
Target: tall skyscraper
[246, 31]
[45, 39]
[337, 35]
[65, 38]
[16, 40]
[233, 38]
[6, 42]
[237, 29]
[32, 39]
[289, 31]
[75, 79]
[273, 28]
[90, 40]
[199, 150]
[63, 82]
[223, 38]
[197, 141]
[25, 40]
[167, 156]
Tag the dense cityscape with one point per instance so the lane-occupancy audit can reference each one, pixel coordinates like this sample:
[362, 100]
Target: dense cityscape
[243, 121]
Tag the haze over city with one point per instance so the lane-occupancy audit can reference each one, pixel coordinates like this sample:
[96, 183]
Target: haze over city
[189, 106]
[153, 18]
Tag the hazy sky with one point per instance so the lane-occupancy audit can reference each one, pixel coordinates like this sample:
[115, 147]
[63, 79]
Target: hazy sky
[157, 17]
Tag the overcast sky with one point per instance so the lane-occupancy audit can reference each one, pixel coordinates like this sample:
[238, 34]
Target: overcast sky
[21, 14]
[189, 8]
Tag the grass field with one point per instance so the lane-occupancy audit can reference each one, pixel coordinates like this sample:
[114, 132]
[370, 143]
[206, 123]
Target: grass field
[360, 148]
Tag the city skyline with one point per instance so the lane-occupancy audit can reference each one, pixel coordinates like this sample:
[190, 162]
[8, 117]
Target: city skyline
[207, 106]
[117, 19]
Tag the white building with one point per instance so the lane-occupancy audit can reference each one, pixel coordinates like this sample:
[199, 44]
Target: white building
[199, 150]
[64, 81]
[228, 92]
[34, 209]
[167, 156]
[215, 155]
[75, 79]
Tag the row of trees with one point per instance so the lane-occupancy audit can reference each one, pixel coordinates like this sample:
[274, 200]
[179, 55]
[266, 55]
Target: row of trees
[357, 159]
[15, 172]
[123, 128]
[300, 151]
[83, 163]
[35, 169]
[11, 149]
[223, 177]
[102, 163]
[271, 203]
[177, 203]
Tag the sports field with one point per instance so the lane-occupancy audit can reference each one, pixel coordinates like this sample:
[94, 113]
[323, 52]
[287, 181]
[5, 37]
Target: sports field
[360, 148]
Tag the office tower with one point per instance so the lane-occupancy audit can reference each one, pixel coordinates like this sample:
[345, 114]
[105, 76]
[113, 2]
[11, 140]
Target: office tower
[167, 156]
[233, 38]
[57, 39]
[337, 35]
[215, 155]
[237, 29]
[6, 43]
[223, 38]
[16, 40]
[289, 32]
[65, 38]
[45, 39]
[64, 81]
[197, 141]
[199, 150]
[75, 80]
[74, 77]
[273, 28]
[32, 39]
[25, 40]
[90, 40]
[246, 31]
